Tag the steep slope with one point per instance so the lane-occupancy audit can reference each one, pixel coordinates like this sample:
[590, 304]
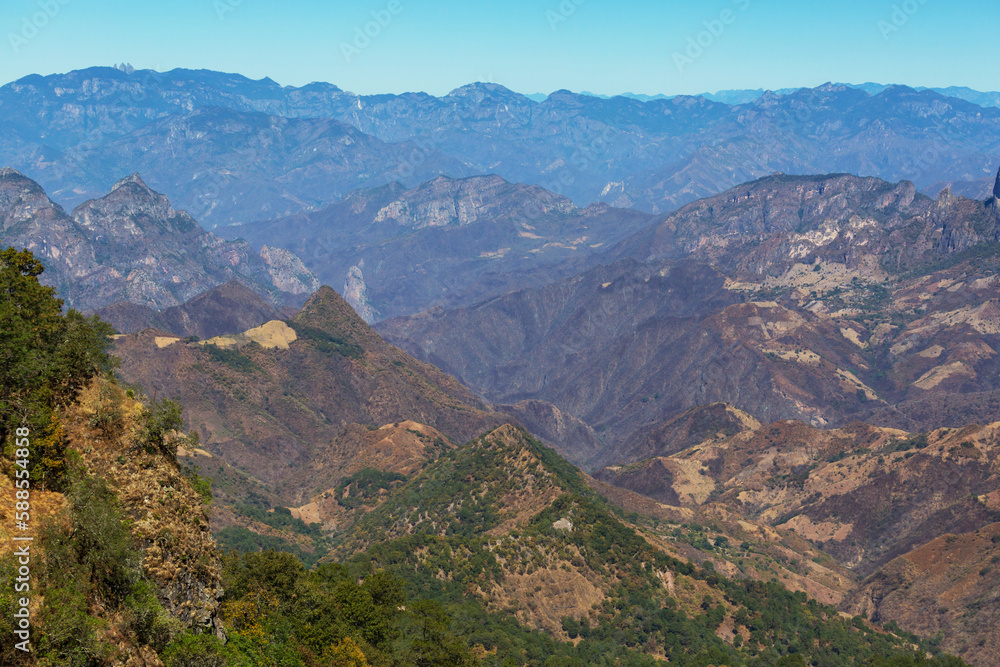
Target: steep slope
[944, 588]
[122, 560]
[766, 226]
[690, 428]
[170, 517]
[628, 344]
[571, 437]
[447, 241]
[132, 245]
[503, 522]
[277, 404]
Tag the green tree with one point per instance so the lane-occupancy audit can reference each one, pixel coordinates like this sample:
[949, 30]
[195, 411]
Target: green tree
[46, 357]
[272, 571]
[434, 645]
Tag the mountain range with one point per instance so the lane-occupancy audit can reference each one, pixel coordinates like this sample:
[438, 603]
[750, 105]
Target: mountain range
[745, 95]
[523, 532]
[232, 150]
[769, 386]
[398, 251]
[287, 405]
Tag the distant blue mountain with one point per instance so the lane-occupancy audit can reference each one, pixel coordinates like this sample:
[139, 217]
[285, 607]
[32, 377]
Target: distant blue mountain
[230, 149]
[747, 95]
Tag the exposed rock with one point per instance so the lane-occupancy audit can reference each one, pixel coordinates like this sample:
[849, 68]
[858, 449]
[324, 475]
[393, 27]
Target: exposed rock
[634, 343]
[356, 294]
[168, 516]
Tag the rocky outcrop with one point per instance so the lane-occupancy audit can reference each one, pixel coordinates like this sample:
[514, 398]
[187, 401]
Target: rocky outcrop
[169, 519]
[21, 199]
[356, 294]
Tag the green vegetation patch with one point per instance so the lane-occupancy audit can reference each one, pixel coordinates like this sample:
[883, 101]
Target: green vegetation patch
[245, 541]
[326, 342]
[231, 358]
[365, 486]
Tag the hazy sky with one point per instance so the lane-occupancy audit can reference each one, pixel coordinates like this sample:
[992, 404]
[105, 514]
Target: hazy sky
[647, 46]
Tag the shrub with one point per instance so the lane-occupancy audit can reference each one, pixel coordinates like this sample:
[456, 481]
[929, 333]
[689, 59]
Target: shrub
[190, 650]
[159, 419]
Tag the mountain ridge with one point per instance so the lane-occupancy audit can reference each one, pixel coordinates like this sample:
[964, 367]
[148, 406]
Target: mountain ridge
[655, 155]
[464, 239]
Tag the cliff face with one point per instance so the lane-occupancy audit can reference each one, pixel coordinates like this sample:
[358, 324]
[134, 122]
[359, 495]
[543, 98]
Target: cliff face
[170, 519]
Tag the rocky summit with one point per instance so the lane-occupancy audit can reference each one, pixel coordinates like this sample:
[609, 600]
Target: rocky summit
[132, 245]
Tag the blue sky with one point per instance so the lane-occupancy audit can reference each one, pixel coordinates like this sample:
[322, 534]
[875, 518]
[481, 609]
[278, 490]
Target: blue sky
[647, 46]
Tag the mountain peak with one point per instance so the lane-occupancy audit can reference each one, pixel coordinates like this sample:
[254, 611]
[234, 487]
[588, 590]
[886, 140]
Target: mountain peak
[10, 171]
[132, 178]
[508, 434]
[484, 88]
[21, 198]
[830, 87]
[10, 177]
[327, 310]
[996, 186]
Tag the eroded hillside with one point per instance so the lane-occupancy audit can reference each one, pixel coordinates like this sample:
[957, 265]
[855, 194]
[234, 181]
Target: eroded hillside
[891, 507]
